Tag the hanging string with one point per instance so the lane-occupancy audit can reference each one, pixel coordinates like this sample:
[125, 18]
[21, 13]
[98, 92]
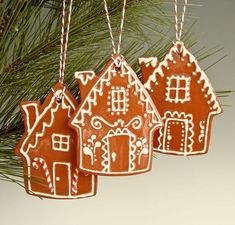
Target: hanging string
[179, 25]
[64, 38]
[110, 27]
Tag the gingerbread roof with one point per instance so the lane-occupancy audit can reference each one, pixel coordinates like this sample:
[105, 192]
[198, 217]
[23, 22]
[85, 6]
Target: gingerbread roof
[106, 76]
[43, 116]
[202, 78]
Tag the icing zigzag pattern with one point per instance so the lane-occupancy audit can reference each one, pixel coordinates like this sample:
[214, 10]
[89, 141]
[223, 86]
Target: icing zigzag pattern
[98, 89]
[45, 125]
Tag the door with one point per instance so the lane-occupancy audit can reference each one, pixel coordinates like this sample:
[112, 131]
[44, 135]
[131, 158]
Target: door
[62, 178]
[119, 153]
[176, 134]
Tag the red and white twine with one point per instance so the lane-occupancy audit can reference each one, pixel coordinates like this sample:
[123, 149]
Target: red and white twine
[179, 25]
[64, 38]
[43, 163]
[115, 50]
[75, 181]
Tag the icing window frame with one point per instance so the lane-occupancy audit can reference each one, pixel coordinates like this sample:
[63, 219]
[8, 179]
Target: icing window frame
[174, 88]
[60, 142]
[118, 100]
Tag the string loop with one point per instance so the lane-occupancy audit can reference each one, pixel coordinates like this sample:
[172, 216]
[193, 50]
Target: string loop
[115, 50]
[64, 38]
[179, 25]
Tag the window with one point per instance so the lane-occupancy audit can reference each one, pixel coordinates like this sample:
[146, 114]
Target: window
[60, 142]
[118, 100]
[178, 89]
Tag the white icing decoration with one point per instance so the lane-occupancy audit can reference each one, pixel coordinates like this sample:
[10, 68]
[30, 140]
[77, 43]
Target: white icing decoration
[106, 163]
[173, 84]
[85, 76]
[202, 131]
[96, 122]
[26, 147]
[68, 166]
[60, 142]
[149, 61]
[202, 76]
[118, 127]
[186, 121]
[135, 122]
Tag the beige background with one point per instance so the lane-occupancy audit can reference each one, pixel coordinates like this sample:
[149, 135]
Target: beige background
[179, 191]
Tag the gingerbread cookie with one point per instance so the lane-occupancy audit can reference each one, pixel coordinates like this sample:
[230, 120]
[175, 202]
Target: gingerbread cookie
[185, 100]
[115, 121]
[48, 149]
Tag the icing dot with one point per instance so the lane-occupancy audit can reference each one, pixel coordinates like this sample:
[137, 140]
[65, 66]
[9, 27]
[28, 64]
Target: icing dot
[145, 115]
[168, 68]
[169, 137]
[194, 73]
[139, 102]
[182, 59]
[150, 125]
[93, 136]
[151, 90]
[206, 96]
[174, 62]
[188, 64]
[138, 143]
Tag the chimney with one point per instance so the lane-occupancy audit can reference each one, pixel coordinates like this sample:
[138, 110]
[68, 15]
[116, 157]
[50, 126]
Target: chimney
[30, 113]
[86, 80]
[147, 65]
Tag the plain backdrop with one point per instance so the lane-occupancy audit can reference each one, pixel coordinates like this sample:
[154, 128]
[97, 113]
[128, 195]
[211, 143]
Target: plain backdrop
[178, 190]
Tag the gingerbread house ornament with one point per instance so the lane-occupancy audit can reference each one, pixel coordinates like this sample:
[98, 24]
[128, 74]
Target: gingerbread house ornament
[115, 121]
[185, 99]
[48, 149]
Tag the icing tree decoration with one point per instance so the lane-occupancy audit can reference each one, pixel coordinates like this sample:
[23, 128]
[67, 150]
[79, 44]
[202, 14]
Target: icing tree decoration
[116, 119]
[184, 97]
[48, 146]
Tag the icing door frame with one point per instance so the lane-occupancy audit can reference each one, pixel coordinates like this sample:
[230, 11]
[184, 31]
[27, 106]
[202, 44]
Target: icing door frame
[168, 137]
[58, 178]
